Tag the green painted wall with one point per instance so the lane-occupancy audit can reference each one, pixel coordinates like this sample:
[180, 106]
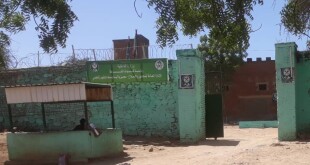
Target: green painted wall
[294, 97]
[258, 124]
[141, 108]
[286, 105]
[147, 109]
[46, 147]
[191, 102]
[303, 96]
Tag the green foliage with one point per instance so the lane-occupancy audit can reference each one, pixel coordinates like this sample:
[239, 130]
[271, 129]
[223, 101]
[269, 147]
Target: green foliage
[223, 61]
[296, 17]
[226, 20]
[71, 61]
[4, 58]
[216, 57]
[53, 18]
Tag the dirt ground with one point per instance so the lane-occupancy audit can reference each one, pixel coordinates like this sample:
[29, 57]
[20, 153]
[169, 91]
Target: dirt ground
[239, 146]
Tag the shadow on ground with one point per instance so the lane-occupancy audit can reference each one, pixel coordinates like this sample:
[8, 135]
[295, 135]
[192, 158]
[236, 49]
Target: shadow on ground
[143, 141]
[119, 159]
[221, 142]
[155, 141]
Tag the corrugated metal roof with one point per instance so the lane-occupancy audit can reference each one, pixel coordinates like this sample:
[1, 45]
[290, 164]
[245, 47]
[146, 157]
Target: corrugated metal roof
[56, 92]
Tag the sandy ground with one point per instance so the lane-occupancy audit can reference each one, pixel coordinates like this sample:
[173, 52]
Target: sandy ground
[239, 146]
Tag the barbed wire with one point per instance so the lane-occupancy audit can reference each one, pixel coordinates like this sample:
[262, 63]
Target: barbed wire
[59, 59]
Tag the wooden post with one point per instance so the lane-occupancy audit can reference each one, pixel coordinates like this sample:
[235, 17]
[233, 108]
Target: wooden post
[43, 116]
[10, 116]
[112, 113]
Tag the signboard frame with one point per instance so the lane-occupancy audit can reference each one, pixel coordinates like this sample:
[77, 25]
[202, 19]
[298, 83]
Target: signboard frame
[187, 81]
[125, 71]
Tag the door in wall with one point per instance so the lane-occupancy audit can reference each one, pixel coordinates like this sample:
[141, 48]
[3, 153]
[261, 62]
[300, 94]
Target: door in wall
[214, 116]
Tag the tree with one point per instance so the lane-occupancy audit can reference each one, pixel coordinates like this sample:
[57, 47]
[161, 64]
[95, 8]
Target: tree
[4, 58]
[219, 65]
[226, 20]
[53, 19]
[71, 61]
[227, 60]
[296, 18]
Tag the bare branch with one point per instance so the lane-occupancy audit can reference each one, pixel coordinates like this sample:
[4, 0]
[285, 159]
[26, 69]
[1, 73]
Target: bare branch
[134, 4]
[252, 31]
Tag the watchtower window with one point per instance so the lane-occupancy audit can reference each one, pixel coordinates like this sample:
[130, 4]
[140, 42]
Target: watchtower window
[262, 87]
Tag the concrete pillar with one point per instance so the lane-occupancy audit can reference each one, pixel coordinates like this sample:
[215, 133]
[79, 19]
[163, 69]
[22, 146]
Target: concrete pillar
[191, 94]
[286, 90]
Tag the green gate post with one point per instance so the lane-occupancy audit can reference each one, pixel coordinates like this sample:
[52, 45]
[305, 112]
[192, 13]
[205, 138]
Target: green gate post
[286, 90]
[191, 99]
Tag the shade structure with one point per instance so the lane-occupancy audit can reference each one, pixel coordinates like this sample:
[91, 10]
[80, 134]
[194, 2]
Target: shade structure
[48, 93]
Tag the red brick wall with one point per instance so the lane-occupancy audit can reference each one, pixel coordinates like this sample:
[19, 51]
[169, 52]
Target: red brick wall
[243, 100]
[120, 48]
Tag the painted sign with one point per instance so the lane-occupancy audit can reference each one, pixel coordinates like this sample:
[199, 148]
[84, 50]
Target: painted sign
[146, 70]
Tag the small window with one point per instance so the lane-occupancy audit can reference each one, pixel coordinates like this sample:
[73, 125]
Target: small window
[262, 87]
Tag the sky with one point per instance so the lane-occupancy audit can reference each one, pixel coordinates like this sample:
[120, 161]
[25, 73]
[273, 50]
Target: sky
[100, 22]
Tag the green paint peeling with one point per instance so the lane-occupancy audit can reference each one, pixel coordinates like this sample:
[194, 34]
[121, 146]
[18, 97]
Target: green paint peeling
[147, 109]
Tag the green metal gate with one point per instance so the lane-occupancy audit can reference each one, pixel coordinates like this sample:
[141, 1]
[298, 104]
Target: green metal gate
[214, 106]
[214, 116]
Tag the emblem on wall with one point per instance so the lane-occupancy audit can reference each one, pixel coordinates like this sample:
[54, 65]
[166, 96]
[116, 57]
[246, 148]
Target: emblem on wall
[159, 65]
[187, 81]
[287, 75]
[94, 67]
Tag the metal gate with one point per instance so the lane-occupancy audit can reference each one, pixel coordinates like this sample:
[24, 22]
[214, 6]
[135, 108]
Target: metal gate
[214, 108]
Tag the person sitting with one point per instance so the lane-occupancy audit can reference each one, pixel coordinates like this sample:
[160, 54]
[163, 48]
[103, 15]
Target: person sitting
[81, 126]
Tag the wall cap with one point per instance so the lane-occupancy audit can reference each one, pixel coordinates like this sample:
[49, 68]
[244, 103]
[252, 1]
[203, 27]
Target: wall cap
[188, 53]
[285, 44]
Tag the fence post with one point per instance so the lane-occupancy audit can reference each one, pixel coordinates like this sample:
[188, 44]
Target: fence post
[73, 53]
[38, 59]
[94, 52]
